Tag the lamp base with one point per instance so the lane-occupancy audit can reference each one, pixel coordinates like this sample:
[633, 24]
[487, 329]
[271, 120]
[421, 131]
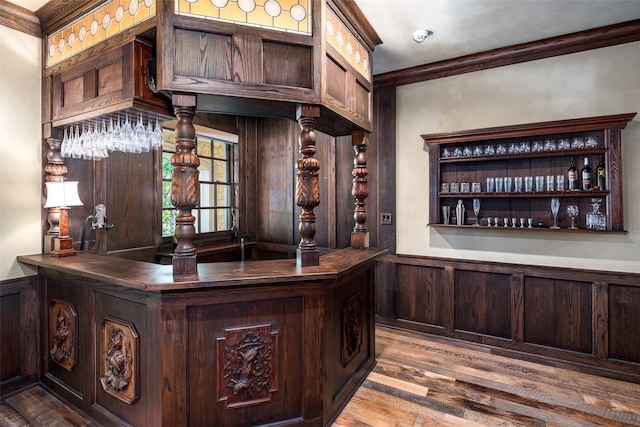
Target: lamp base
[63, 246]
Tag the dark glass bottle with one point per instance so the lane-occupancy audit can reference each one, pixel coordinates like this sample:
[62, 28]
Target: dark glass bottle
[572, 176]
[601, 174]
[586, 175]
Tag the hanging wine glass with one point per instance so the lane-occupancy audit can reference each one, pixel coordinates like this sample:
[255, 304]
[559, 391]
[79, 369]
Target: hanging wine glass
[572, 212]
[158, 136]
[126, 134]
[476, 210]
[140, 137]
[555, 208]
[76, 144]
[64, 146]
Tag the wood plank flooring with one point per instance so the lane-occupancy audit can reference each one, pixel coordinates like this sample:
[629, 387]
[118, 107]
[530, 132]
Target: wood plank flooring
[423, 381]
[433, 382]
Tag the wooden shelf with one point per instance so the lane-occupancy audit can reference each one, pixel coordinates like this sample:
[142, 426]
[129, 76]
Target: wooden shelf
[533, 229]
[606, 131]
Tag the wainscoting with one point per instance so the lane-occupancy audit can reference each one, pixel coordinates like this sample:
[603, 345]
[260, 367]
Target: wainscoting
[19, 333]
[585, 317]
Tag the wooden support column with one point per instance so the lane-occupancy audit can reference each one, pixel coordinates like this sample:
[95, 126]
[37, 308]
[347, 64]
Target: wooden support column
[55, 170]
[185, 186]
[307, 186]
[360, 189]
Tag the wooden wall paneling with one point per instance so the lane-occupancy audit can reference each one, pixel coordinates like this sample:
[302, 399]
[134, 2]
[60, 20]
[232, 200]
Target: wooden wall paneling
[173, 345]
[70, 384]
[600, 320]
[558, 314]
[134, 313]
[336, 80]
[248, 177]
[205, 55]
[449, 298]
[624, 322]
[386, 295]
[131, 200]
[587, 318]
[517, 307]
[614, 209]
[247, 58]
[383, 139]
[483, 303]
[344, 201]
[285, 64]
[277, 142]
[20, 333]
[421, 294]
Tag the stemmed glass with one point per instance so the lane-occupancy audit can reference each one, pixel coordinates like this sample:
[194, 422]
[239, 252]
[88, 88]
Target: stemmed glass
[476, 210]
[572, 212]
[555, 207]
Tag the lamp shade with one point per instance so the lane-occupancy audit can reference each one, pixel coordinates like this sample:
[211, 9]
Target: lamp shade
[62, 194]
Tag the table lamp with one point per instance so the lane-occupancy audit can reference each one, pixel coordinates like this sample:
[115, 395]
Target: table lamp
[62, 195]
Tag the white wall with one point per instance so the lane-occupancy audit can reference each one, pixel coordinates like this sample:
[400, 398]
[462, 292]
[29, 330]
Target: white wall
[20, 150]
[593, 83]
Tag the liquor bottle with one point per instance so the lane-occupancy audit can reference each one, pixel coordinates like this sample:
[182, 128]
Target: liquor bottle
[600, 174]
[572, 176]
[587, 182]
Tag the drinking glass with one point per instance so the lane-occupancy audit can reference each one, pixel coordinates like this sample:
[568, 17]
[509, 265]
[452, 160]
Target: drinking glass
[521, 222]
[539, 183]
[455, 187]
[555, 208]
[513, 222]
[550, 183]
[499, 185]
[560, 182]
[572, 212]
[506, 221]
[530, 222]
[465, 187]
[518, 184]
[495, 219]
[490, 185]
[476, 210]
[444, 187]
[475, 187]
[528, 184]
[507, 184]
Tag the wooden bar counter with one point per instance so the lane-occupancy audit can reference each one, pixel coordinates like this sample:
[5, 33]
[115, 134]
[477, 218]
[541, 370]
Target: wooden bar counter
[240, 344]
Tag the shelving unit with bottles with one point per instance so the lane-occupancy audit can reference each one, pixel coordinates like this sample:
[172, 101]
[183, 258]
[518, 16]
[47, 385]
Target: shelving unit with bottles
[528, 150]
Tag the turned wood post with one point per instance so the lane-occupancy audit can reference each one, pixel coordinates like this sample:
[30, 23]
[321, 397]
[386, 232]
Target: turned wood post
[55, 170]
[307, 186]
[185, 186]
[360, 189]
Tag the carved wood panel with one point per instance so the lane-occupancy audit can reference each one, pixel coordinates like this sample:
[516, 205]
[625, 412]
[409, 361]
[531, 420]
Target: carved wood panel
[247, 365]
[351, 327]
[119, 359]
[63, 326]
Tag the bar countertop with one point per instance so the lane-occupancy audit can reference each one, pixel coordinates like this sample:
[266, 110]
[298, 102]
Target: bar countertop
[157, 278]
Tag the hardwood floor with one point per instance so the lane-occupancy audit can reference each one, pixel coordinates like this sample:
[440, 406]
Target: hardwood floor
[434, 382]
[425, 381]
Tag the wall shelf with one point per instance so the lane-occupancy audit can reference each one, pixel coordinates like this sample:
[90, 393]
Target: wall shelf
[528, 150]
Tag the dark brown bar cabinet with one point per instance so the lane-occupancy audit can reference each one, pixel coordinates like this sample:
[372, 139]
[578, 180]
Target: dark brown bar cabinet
[244, 343]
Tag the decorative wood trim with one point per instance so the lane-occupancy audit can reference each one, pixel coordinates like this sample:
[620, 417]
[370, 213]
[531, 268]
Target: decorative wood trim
[352, 322]
[580, 41]
[617, 121]
[19, 18]
[353, 14]
[63, 327]
[118, 359]
[247, 365]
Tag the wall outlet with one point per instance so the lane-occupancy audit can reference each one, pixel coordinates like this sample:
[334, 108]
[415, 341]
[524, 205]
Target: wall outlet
[385, 218]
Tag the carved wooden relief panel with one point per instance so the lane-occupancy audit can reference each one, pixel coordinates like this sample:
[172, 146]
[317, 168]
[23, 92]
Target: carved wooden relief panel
[119, 359]
[63, 326]
[247, 365]
[351, 328]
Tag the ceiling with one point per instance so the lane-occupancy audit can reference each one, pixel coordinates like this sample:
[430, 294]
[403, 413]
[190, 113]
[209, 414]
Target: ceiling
[462, 27]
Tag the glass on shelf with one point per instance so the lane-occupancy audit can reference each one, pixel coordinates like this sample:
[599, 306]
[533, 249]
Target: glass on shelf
[476, 210]
[572, 212]
[563, 144]
[501, 150]
[555, 208]
[489, 150]
[444, 187]
[446, 153]
[467, 152]
[454, 187]
[550, 145]
[591, 142]
[475, 187]
[518, 184]
[577, 143]
[477, 151]
[596, 220]
[538, 146]
[465, 187]
[457, 152]
[525, 147]
[490, 185]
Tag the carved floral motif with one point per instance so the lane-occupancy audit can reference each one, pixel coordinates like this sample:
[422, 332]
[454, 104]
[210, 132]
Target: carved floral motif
[247, 365]
[119, 365]
[351, 328]
[62, 334]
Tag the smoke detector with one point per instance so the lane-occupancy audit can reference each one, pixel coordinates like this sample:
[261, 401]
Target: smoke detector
[420, 35]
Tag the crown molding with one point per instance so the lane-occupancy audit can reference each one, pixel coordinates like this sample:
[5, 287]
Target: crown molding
[19, 18]
[609, 35]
